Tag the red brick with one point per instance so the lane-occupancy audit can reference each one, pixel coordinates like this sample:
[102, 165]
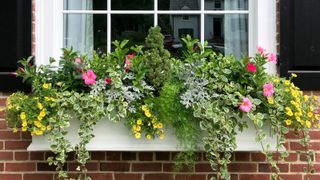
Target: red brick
[115, 166]
[8, 134]
[1, 145]
[299, 167]
[98, 155]
[1, 166]
[158, 177]
[21, 156]
[45, 167]
[15, 145]
[127, 176]
[101, 176]
[296, 146]
[3, 101]
[3, 124]
[254, 177]
[294, 135]
[203, 167]
[20, 167]
[312, 177]
[26, 136]
[37, 156]
[315, 146]
[146, 167]
[293, 157]
[145, 156]
[11, 176]
[291, 177]
[267, 168]
[113, 156]
[258, 157]
[190, 177]
[91, 166]
[304, 156]
[129, 156]
[314, 134]
[170, 167]
[317, 157]
[242, 156]
[37, 176]
[162, 156]
[6, 156]
[2, 114]
[243, 167]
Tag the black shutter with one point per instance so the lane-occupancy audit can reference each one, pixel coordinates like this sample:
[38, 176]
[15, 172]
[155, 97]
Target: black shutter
[300, 41]
[15, 39]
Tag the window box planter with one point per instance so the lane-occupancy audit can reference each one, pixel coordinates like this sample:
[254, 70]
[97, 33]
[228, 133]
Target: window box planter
[111, 136]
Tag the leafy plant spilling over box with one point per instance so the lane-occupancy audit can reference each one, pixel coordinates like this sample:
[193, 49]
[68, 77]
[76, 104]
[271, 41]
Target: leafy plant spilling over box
[205, 96]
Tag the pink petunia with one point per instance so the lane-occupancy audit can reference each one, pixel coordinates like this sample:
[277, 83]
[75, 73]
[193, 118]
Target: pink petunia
[77, 60]
[268, 90]
[261, 51]
[246, 105]
[128, 62]
[108, 81]
[251, 68]
[89, 77]
[272, 58]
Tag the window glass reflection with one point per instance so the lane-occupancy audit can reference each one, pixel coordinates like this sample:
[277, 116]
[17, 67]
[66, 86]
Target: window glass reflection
[179, 5]
[132, 4]
[226, 5]
[85, 5]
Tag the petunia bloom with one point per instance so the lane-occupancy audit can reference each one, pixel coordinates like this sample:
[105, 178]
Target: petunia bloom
[261, 51]
[128, 62]
[251, 68]
[108, 81]
[246, 105]
[89, 77]
[268, 90]
[272, 58]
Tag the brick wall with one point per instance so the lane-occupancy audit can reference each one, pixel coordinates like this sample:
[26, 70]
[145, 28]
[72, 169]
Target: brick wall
[16, 163]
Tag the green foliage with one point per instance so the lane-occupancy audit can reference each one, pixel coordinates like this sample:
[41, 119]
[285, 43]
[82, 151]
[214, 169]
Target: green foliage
[156, 59]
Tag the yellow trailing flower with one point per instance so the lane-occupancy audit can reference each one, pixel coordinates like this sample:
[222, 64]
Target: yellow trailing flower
[39, 118]
[49, 128]
[40, 106]
[270, 100]
[315, 98]
[288, 122]
[294, 75]
[14, 130]
[137, 135]
[160, 125]
[308, 124]
[24, 129]
[46, 86]
[306, 98]
[286, 90]
[310, 114]
[139, 121]
[138, 128]
[148, 136]
[144, 107]
[47, 98]
[42, 113]
[287, 82]
[275, 80]
[23, 116]
[38, 132]
[147, 113]
[43, 128]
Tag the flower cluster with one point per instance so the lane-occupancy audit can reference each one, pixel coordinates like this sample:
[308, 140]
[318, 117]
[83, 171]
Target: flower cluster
[148, 124]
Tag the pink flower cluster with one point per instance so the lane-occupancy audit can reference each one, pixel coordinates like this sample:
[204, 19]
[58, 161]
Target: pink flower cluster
[251, 68]
[268, 90]
[89, 77]
[271, 57]
[246, 105]
[128, 62]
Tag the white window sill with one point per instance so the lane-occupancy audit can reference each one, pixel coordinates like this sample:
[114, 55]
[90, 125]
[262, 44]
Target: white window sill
[116, 137]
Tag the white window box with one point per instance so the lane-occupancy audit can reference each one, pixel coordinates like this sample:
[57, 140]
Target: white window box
[111, 136]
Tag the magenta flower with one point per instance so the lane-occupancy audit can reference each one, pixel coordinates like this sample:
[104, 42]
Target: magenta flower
[77, 60]
[128, 62]
[272, 58]
[268, 90]
[108, 81]
[246, 105]
[251, 68]
[89, 77]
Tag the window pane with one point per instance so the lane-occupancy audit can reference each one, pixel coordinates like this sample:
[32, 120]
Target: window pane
[85, 32]
[227, 34]
[176, 26]
[179, 4]
[132, 4]
[85, 4]
[226, 5]
[131, 27]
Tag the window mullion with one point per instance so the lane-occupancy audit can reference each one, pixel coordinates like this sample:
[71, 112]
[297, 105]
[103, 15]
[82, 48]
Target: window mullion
[202, 22]
[155, 15]
[109, 44]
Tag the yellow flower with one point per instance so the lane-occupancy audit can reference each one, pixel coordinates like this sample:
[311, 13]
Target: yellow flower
[10, 107]
[286, 90]
[317, 116]
[23, 116]
[144, 107]
[139, 121]
[53, 99]
[275, 80]
[310, 114]
[306, 98]
[138, 128]
[24, 129]
[40, 106]
[289, 113]
[294, 75]
[137, 135]
[37, 123]
[42, 113]
[47, 98]
[24, 124]
[159, 125]
[147, 113]
[161, 136]
[38, 132]
[14, 130]
[287, 82]
[49, 128]
[288, 122]
[149, 136]
[270, 100]
[46, 86]
[43, 128]
[39, 118]
[134, 128]
[315, 98]
[154, 120]
[298, 119]
[308, 124]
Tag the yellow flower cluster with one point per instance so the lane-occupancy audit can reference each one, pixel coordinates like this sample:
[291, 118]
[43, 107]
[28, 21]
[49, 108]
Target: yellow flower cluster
[150, 124]
[46, 86]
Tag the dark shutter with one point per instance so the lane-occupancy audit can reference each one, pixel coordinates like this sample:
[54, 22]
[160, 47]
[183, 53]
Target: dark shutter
[15, 39]
[300, 41]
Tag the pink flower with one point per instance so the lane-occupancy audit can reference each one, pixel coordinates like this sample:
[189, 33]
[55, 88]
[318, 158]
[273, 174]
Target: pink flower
[89, 77]
[128, 62]
[246, 105]
[77, 60]
[272, 58]
[268, 90]
[108, 81]
[251, 68]
[261, 51]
